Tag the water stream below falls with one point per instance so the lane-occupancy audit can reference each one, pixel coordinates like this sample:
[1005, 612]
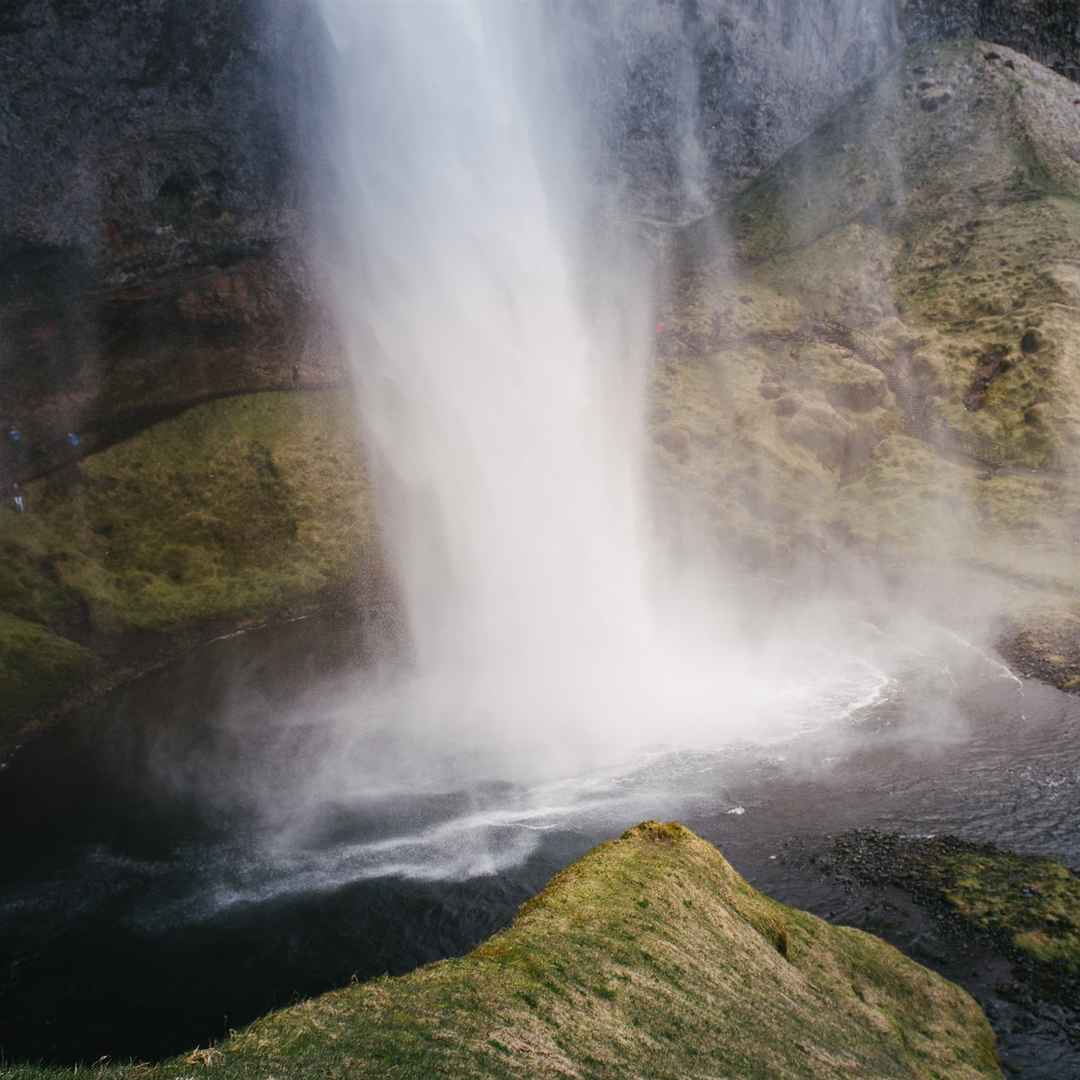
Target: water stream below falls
[152, 897]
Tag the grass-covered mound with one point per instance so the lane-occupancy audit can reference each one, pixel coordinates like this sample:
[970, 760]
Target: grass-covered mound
[235, 509]
[649, 957]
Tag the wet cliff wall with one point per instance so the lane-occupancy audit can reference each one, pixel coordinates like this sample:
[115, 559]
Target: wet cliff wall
[1046, 30]
[151, 188]
[150, 210]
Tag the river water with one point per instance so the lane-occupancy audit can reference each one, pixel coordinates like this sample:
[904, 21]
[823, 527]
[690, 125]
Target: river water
[150, 903]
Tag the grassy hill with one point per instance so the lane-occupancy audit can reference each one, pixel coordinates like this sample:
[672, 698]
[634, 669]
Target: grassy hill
[231, 511]
[649, 958]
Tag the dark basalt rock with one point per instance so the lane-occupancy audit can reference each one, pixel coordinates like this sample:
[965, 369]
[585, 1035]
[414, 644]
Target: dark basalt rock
[150, 211]
[1046, 30]
[153, 156]
[968, 910]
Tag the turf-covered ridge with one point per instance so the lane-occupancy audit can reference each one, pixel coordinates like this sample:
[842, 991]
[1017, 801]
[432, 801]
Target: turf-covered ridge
[650, 957]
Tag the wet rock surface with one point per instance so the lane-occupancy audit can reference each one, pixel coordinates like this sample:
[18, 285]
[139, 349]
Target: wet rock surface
[1045, 647]
[1047, 30]
[149, 218]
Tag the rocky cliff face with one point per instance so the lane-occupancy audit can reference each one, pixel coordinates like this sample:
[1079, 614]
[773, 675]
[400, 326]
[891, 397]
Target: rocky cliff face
[1046, 30]
[886, 361]
[148, 210]
[151, 196]
[710, 92]
[882, 354]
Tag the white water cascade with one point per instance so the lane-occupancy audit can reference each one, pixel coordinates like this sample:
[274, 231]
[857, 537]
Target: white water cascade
[497, 326]
[498, 317]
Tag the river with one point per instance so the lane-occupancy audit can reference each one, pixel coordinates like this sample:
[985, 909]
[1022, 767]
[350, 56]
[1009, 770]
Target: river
[149, 902]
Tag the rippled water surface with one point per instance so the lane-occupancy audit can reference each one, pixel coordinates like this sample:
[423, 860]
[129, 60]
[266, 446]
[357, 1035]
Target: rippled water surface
[149, 902]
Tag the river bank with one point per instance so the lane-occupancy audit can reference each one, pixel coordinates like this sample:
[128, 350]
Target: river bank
[1004, 926]
[650, 953]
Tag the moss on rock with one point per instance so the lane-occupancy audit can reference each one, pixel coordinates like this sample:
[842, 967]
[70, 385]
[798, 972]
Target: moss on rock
[1029, 906]
[1044, 643]
[889, 359]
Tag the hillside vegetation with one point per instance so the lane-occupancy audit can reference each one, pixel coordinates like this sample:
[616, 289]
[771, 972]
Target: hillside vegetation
[649, 957]
[878, 348]
[232, 511]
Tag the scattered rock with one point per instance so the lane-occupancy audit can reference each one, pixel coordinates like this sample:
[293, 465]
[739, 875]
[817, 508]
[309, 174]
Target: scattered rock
[824, 432]
[1045, 645]
[1027, 908]
[859, 395]
[994, 362]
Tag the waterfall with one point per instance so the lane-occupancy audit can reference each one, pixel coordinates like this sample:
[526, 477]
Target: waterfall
[476, 227]
[497, 321]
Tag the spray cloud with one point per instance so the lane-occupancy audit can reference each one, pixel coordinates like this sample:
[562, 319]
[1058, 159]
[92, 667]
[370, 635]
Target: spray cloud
[498, 312]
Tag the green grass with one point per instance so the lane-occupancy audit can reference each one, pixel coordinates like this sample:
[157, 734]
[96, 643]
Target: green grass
[1034, 902]
[35, 665]
[1029, 906]
[236, 506]
[707, 978]
[234, 509]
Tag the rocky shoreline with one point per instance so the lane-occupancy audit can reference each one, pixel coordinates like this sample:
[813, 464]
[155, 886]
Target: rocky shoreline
[1004, 926]
[1046, 649]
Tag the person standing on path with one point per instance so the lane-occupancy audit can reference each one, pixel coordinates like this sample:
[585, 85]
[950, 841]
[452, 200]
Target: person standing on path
[18, 444]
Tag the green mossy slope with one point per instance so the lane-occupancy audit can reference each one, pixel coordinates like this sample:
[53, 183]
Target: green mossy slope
[230, 511]
[649, 958]
[37, 666]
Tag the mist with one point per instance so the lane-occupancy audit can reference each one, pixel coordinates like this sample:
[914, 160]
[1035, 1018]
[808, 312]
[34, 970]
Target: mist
[492, 424]
[498, 288]
[498, 306]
